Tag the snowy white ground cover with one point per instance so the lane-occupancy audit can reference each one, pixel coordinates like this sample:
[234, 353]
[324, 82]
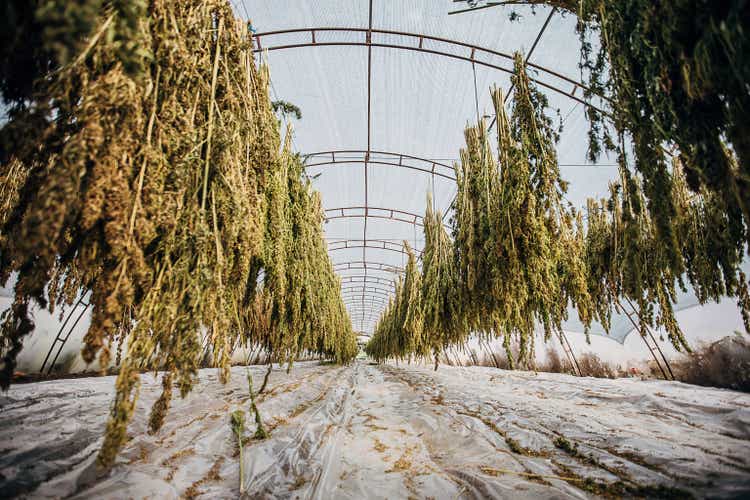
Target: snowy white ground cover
[367, 431]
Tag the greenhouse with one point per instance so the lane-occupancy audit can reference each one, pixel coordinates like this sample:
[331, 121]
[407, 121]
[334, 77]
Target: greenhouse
[384, 249]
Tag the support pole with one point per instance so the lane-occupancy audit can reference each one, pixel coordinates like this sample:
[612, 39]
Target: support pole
[655, 346]
[63, 338]
[651, 348]
[570, 354]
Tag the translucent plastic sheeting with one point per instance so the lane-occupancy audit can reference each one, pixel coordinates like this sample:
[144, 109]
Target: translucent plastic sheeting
[373, 433]
[363, 431]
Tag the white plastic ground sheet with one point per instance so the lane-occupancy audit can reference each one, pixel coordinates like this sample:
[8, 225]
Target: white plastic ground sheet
[387, 431]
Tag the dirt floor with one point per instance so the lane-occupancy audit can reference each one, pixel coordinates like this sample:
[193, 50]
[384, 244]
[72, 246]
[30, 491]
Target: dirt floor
[386, 431]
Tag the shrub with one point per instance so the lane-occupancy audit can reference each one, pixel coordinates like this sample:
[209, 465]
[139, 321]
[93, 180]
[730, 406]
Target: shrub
[724, 363]
[554, 363]
[592, 366]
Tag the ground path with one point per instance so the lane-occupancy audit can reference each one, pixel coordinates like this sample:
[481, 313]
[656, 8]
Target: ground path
[387, 431]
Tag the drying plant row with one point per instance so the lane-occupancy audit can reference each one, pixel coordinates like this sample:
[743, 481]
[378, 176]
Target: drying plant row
[522, 257]
[142, 164]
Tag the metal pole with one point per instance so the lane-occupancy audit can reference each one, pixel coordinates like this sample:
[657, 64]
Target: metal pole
[63, 341]
[650, 349]
[656, 344]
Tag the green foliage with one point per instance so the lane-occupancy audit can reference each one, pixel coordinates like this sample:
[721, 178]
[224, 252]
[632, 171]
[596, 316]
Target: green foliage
[301, 295]
[517, 250]
[682, 64]
[675, 75]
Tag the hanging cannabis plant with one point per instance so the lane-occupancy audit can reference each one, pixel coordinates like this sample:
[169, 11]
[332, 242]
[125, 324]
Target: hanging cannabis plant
[629, 267]
[400, 331]
[477, 186]
[155, 188]
[518, 246]
[443, 321]
[304, 308]
[668, 75]
[518, 250]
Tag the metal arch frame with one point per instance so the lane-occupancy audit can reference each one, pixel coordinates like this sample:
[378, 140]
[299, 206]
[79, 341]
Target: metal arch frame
[366, 315]
[376, 307]
[364, 307]
[377, 301]
[380, 213]
[358, 274]
[372, 300]
[360, 292]
[356, 298]
[366, 321]
[367, 288]
[473, 51]
[354, 308]
[363, 264]
[364, 310]
[368, 279]
[382, 245]
[381, 297]
[377, 290]
[359, 306]
[366, 158]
